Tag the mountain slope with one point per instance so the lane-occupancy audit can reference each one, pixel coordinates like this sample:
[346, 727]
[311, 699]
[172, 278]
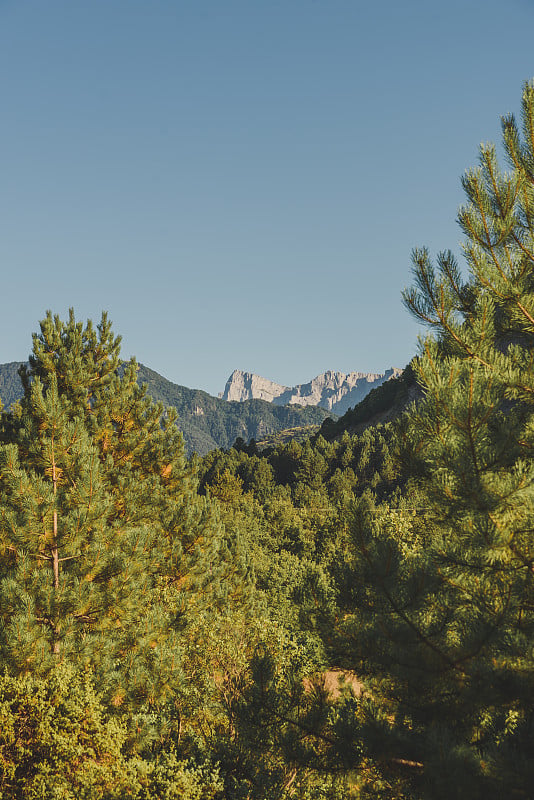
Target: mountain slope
[381, 405]
[10, 385]
[208, 422]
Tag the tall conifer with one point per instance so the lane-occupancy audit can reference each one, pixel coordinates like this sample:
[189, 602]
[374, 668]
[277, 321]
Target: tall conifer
[445, 579]
[108, 552]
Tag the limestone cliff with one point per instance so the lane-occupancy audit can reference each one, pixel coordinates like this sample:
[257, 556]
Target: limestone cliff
[243, 386]
[334, 391]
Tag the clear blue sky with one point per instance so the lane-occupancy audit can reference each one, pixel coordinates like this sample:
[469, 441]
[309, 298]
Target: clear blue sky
[240, 182]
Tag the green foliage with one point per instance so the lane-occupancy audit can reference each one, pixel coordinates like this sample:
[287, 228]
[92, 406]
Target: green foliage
[349, 464]
[382, 405]
[300, 434]
[10, 385]
[109, 554]
[57, 740]
[281, 743]
[444, 624]
[69, 572]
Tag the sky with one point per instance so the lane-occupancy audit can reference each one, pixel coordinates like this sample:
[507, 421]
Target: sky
[240, 184]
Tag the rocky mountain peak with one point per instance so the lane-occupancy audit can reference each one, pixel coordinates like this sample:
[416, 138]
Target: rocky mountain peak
[334, 391]
[242, 386]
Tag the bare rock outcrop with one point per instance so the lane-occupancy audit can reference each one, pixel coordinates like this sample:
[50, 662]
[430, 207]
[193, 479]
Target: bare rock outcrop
[243, 386]
[334, 391]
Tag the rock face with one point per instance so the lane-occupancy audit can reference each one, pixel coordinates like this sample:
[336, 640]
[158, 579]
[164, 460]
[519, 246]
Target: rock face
[334, 391]
[243, 386]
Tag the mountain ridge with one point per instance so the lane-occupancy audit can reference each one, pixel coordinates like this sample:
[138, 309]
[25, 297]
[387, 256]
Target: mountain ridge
[334, 391]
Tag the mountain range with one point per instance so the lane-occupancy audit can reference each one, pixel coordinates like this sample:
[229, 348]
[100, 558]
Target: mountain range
[208, 422]
[334, 391]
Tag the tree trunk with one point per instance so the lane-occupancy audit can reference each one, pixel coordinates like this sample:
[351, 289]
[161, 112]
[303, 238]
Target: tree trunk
[55, 553]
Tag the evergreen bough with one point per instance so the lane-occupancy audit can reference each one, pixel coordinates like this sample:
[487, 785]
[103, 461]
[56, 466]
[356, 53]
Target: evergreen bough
[444, 579]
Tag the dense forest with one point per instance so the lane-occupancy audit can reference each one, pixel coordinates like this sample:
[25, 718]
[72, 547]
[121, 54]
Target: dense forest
[346, 616]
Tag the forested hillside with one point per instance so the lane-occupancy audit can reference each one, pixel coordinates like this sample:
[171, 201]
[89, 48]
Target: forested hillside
[348, 616]
[10, 385]
[208, 422]
[383, 404]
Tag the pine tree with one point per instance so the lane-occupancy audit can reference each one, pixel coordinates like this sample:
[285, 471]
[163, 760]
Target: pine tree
[63, 571]
[444, 580]
[108, 552]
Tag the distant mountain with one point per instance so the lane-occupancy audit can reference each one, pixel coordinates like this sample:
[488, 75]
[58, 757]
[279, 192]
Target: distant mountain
[333, 391]
[206, 422]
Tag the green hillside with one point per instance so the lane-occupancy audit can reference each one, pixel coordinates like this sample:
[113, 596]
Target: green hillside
[381, 405]
[208, 422]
